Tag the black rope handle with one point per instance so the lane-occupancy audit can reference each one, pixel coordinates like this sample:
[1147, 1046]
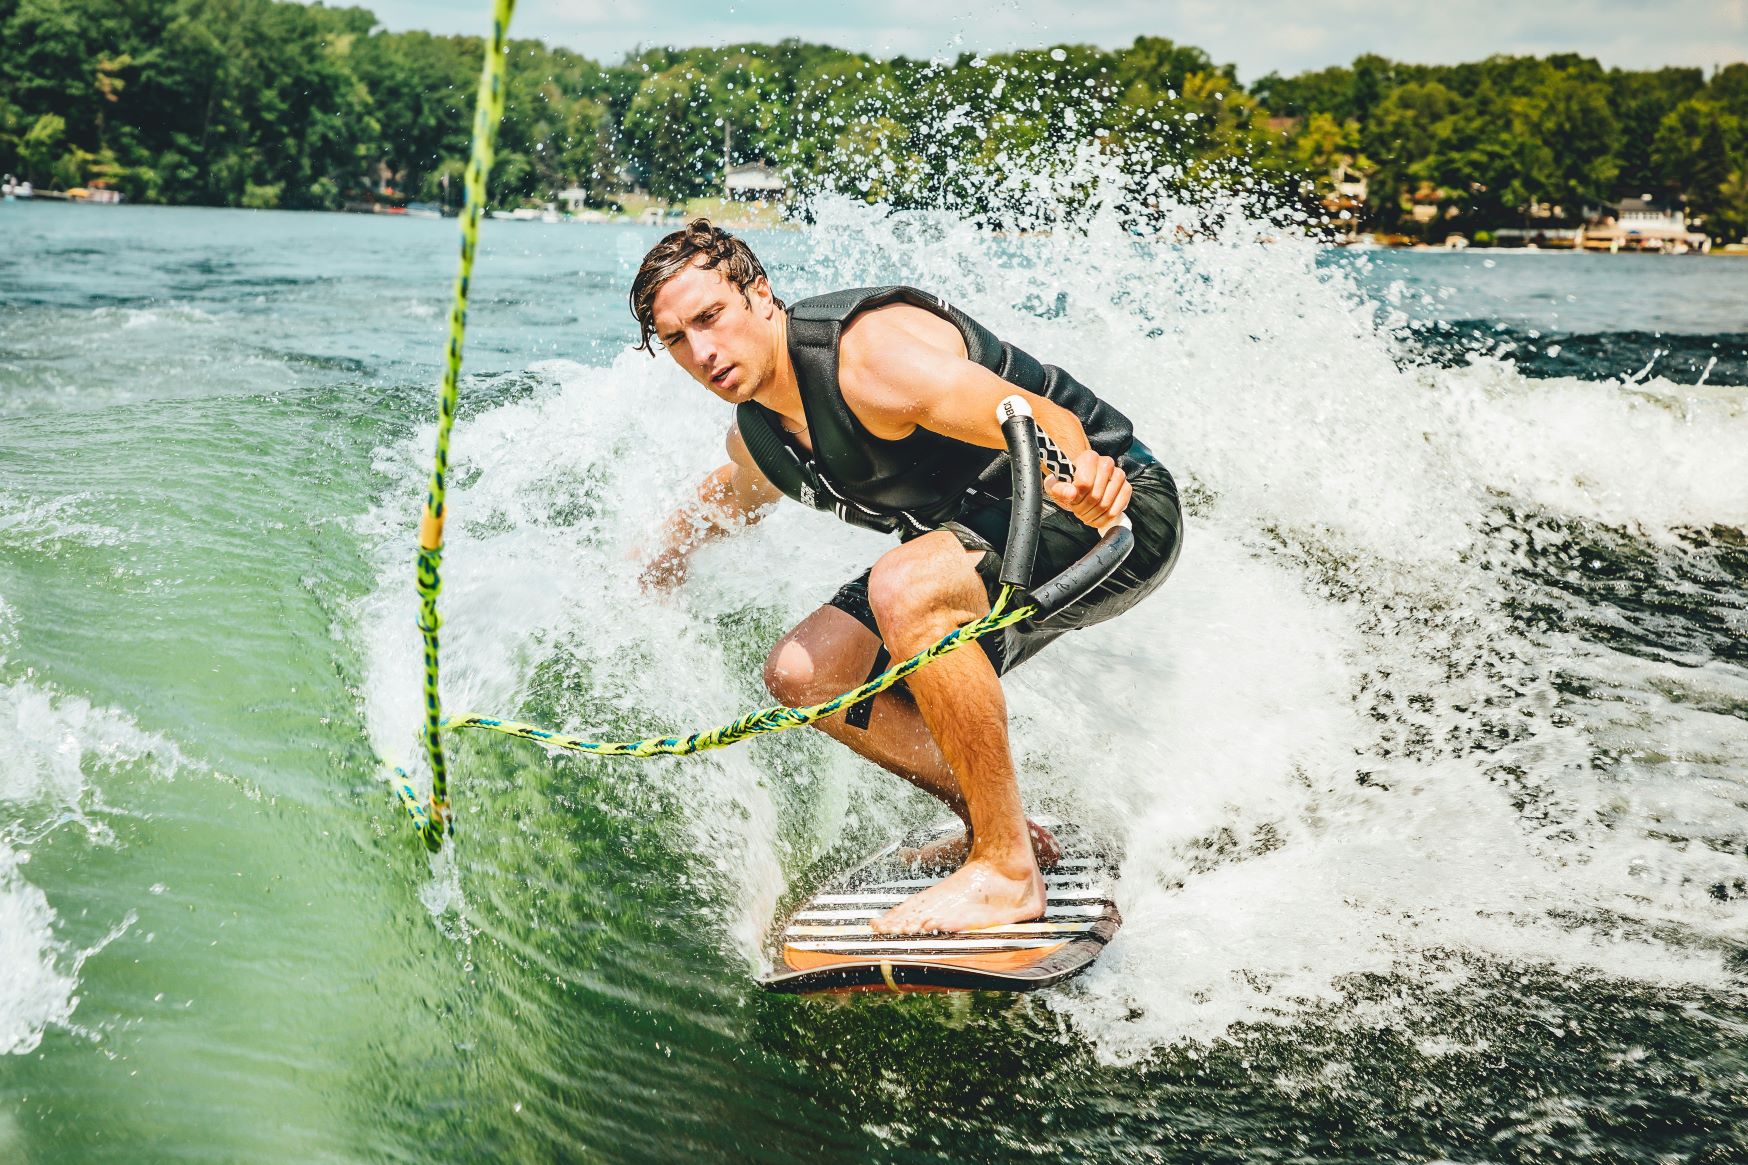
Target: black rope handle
[1028, 448]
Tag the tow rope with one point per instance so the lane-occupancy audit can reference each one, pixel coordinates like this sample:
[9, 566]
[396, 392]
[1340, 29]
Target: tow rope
[776, 719]
[432, 818]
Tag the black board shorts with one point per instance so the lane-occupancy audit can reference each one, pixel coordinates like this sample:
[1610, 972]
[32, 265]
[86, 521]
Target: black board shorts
[1157, 519]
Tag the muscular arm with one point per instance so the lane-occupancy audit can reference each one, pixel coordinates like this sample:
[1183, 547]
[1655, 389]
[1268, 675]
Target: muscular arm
[732, 497]
[899, 372]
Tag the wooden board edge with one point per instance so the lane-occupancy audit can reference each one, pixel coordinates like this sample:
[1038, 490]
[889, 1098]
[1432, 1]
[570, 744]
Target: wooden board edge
[924, 975]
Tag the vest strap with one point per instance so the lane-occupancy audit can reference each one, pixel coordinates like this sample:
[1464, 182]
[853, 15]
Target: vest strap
[798, 480]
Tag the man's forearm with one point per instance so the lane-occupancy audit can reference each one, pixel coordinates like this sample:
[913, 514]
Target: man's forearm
[1062, 427]
[685, 530]
[712, 514]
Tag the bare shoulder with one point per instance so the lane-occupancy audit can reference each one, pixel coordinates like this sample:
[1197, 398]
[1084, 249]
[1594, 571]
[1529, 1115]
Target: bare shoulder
[899, 327]
[737, 447]
[747, 480]
[890, 359]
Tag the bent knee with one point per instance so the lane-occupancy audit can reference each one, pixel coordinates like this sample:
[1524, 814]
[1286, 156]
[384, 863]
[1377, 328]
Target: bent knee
[933, 585]
[796, 679]
[789, 672]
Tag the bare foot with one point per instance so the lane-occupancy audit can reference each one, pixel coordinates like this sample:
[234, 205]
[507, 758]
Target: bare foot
[976, 894]
[947, 853]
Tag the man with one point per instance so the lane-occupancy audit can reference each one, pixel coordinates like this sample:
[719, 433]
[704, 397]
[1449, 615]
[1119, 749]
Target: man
[880, 405]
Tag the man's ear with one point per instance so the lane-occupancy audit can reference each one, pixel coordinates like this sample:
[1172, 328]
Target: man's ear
[760, 290]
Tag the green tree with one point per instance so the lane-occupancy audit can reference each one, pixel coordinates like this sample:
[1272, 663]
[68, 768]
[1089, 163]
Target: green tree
[1570, 111]
[1695, 144]
[42, 145]
[673, 126]
[1728, 209]
[271, 101]
[1641, 100]
[1414, 137]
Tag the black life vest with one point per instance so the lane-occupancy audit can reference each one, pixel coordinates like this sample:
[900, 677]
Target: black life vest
[922, 480]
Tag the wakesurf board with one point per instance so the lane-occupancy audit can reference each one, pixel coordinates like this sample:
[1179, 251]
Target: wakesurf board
[826, 945]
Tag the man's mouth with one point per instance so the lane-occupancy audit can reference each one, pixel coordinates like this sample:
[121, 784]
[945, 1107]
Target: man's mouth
[721, 377]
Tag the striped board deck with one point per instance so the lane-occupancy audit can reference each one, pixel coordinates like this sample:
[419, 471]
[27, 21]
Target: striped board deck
[826, 945]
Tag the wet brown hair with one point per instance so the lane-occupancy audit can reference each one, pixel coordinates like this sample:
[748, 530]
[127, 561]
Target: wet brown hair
[681, 250]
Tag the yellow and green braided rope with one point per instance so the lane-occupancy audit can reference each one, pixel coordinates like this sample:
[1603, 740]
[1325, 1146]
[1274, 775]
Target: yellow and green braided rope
[777, 719]
[432, 818]
[759, 723]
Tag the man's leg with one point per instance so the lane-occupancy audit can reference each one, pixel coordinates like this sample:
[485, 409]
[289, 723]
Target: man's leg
[830, 652]
[919, 592]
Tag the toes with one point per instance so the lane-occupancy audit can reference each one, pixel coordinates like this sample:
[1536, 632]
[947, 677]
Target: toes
[894, 921]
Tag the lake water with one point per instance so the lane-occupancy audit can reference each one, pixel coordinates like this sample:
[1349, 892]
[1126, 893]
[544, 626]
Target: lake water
[1429, 768]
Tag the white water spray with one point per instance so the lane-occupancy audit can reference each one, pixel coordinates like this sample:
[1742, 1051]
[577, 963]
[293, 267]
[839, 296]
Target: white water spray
[1327, 747]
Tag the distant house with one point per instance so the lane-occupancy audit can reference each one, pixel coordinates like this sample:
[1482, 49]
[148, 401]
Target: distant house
[1650, 211]
[753, 181]
[1346, 199]
[574, 198]
[1350, 185]
[1646, 223]
[92, 193]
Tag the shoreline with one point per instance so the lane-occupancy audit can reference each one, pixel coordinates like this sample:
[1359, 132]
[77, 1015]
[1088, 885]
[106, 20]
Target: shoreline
[769, 217]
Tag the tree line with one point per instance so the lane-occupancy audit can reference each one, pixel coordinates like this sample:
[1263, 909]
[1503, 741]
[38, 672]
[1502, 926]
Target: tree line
[270, 103]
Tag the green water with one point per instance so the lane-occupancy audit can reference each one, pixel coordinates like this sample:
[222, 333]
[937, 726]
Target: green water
[220, 941]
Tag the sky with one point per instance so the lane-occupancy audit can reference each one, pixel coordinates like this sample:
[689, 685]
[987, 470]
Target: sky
[1259, 36]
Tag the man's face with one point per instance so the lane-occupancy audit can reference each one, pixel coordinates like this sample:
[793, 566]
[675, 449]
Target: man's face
[722, 338]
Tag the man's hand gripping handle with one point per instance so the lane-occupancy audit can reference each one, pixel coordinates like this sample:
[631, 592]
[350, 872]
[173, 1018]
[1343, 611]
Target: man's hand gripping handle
[1028, 449]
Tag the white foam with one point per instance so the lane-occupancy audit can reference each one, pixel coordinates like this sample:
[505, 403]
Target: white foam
[1338, 612]
[56, 742]
[34, 991]
[55, 745]
[1651, 457]
[39, 973]
[53, 524]
[171, 313]
[557, 496]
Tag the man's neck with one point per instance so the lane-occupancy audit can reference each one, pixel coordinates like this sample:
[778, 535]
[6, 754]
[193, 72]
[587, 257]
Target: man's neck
[783, 394]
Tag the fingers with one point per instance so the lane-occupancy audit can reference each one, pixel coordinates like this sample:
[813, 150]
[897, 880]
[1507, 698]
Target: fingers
[1107, 490]
[1120, 503]
[1116, 495]
[1099, 493]
[1100, 479]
